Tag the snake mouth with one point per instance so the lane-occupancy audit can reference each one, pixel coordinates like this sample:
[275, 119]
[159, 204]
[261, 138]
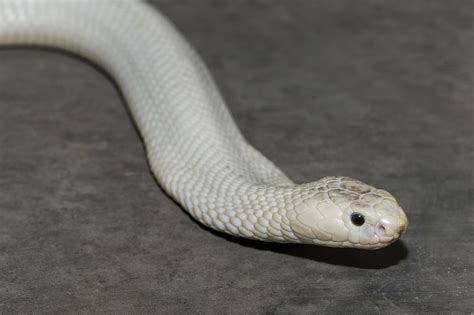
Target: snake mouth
[393, 238]
[389, 240]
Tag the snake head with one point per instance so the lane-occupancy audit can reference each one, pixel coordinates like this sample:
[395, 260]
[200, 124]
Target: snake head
[344, 212]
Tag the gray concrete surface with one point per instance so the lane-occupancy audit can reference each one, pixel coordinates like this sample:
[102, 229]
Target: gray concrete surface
[378, 90]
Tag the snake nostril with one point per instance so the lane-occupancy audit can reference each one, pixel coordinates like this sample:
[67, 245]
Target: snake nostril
[381, 231]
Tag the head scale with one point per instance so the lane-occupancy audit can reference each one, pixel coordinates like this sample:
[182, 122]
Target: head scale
[344, 212]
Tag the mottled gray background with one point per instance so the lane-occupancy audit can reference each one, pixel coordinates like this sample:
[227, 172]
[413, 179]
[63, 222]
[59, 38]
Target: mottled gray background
[378, 90]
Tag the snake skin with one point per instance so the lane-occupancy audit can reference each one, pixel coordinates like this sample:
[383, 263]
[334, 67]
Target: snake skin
[194, 148]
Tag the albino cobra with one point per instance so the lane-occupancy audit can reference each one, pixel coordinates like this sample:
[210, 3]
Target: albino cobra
[194, 148]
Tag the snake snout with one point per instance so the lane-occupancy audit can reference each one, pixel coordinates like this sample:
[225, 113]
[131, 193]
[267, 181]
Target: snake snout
[390, 229]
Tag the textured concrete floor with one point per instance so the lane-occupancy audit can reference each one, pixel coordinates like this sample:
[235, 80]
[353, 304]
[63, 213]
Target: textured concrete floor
[381, 91]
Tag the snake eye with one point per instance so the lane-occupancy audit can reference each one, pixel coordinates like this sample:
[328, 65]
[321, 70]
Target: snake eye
[357, 219]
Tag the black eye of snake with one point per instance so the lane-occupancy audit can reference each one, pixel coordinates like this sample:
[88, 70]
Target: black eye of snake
[357, 219]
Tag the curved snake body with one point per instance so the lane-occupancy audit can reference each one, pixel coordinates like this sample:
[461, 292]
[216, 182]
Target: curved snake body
[194, 148]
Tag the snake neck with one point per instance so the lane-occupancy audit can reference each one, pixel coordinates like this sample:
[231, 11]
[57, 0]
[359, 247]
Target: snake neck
[231, 204]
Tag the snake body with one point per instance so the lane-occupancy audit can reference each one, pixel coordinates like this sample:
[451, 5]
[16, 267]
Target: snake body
[194, 148]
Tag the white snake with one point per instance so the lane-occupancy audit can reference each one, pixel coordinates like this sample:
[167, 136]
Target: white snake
[194, 148]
